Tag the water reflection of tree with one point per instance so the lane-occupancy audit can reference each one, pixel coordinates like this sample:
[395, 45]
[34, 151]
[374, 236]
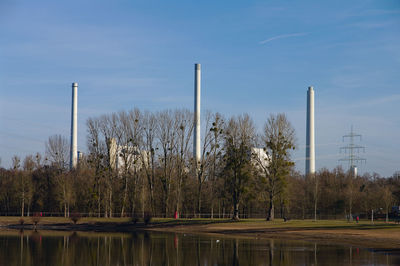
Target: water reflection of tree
[32, 248]
[271, 252]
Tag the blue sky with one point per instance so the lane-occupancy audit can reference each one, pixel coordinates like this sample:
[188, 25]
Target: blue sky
[257, 57]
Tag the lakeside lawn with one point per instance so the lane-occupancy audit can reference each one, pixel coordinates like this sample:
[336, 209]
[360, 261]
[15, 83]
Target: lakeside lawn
[241, 224]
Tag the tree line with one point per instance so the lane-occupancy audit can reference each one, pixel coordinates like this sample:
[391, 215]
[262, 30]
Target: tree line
[140, 162]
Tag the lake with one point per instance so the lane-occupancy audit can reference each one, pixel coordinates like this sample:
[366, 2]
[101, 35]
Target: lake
[152, 248]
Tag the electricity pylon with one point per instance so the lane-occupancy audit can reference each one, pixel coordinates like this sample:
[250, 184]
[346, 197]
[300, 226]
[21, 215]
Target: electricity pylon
[351, 150]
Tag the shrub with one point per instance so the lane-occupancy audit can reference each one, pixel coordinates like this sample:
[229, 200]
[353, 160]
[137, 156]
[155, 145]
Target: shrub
[147, 218]
[35, 219]
[75, 217]
[134, 218]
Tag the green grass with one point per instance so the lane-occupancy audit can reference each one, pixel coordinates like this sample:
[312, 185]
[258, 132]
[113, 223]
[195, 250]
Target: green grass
[243, 223]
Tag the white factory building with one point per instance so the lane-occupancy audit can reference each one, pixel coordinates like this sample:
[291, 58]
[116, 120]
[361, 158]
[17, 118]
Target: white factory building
[127, 157]
[259, 156]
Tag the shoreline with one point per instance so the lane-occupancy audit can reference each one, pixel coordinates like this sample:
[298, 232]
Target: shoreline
[376, 236]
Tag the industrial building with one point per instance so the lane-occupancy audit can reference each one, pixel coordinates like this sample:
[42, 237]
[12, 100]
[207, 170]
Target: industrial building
[127, 158]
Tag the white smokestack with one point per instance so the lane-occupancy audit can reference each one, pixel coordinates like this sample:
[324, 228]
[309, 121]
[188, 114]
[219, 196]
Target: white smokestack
[310, 141]
[196, 140]
[74, 127]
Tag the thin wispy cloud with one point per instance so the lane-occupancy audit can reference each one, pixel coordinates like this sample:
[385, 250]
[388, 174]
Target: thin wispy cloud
[283, 36]
[373, 25]
[369, 13]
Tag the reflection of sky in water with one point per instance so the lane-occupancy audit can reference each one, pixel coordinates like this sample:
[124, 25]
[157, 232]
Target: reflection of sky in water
[66, 248]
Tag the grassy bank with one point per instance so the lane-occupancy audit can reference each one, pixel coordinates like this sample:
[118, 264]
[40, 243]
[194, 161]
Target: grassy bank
[220, 223]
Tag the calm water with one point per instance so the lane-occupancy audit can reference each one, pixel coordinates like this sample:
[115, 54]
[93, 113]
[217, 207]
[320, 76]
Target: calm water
[66, 248]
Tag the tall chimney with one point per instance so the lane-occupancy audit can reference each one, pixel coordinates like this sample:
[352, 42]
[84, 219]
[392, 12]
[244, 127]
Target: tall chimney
[196, 140]
[310, 141]
[74, 127]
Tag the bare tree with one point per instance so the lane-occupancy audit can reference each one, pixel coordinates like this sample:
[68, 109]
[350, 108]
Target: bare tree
[16, 164]
[97, 150]
[184, 120]
[203, 165]
[123, 136]
[215, 154]
[129, 138]
[388, 199]
[149, 146]
[65, 189]
[278, 139]
[136, 139]
[29, 165]
[139, 157]
[23, 183]
[108, 128]
[57, 151]
[167, 136]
